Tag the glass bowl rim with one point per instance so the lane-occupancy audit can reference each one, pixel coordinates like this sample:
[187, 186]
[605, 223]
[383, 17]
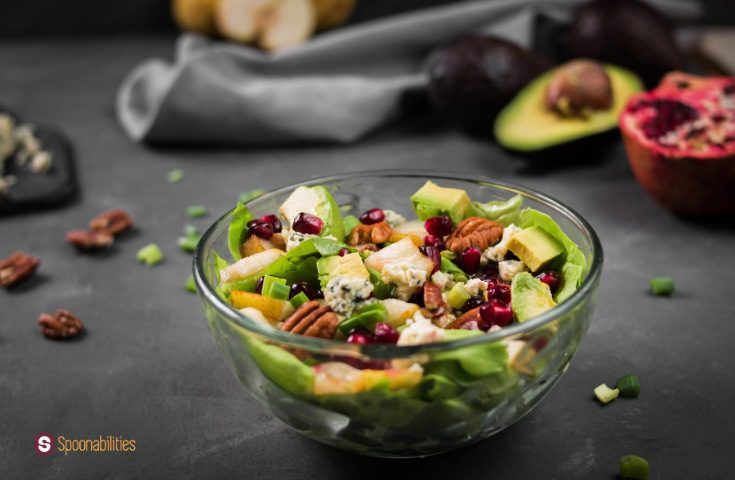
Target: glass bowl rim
[207, 291]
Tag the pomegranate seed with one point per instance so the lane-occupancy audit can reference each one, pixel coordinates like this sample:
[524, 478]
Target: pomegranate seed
[374, 215]
[417, 297]
[343, 251]
[271, 220]
[469, 261]
[495, 312]
[384, 333]
[499, 291]
[259, 285]
[301, 287]
[440, 226]
[473, 302]
[308, 224]
[550, 278]
[360, 337]
[434, 255]
[262, 230]
[432, 241]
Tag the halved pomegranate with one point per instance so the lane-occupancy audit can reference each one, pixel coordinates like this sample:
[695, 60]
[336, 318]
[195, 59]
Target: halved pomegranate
[680, 140]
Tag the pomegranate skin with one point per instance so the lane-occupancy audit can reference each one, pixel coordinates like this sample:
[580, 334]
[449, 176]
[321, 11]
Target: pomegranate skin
[689, 184]
[686, 186]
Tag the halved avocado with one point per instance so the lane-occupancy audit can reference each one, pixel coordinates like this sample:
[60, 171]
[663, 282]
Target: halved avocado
[526, 124]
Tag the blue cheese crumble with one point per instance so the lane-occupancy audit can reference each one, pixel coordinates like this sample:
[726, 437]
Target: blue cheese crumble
[394, 219]
[405, 276]
[345, 294]
[496, 253]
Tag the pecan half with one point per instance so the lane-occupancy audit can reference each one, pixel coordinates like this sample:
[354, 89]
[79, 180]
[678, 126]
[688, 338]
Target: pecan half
[434, 304]
[17, 267]
[62, 324]
[376, 233]
[89, 240]
[474, 232]
[467, 317]
[113, 222]
[312, 320]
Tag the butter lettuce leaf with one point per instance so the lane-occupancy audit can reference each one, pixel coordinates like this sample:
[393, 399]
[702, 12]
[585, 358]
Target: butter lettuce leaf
[237, 230]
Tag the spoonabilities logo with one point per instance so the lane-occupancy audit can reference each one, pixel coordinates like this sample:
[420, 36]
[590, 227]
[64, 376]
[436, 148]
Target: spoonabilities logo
[44, 444]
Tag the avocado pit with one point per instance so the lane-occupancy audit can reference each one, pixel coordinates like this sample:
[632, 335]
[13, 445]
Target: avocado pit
[579, 86]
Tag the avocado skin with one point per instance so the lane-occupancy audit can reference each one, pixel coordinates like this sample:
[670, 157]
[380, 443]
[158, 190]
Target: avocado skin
[471, 79]
[628, 33]
[587, 150]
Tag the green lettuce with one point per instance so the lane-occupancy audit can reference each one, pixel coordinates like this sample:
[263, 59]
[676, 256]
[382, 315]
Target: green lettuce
[237, 230]
[572, 264]
[503, 212]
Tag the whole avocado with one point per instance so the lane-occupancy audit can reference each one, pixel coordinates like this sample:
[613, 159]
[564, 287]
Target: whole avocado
[628, 33]
[471, 79]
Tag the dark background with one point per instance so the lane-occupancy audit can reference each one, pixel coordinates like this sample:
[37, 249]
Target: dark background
[148, 370]
[30, 18]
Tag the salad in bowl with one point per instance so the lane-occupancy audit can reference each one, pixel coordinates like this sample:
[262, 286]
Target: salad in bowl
[399, 326]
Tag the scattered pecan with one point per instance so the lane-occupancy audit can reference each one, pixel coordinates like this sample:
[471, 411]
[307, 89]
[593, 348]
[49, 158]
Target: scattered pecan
[89, 240]
[17, 267]
[376, 233]
[312, 320]
[113, 222]
[62, 324]
[434, 304]
[474, 232]
[467, 317]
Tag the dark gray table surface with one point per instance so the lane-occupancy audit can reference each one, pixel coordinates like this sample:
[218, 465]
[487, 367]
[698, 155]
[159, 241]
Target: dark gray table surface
[148, 369]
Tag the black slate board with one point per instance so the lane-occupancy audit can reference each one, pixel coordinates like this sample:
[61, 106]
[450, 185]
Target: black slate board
[42, 190]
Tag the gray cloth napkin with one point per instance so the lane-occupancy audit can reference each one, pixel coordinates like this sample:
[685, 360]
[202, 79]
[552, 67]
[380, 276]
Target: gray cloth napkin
[336, 88]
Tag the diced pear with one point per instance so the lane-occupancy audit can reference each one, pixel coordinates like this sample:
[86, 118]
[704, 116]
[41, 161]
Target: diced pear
[249, 266]
[412, 227]
[337, 378]
[396, 379]
[520, 355]
[402, 251]
[291, 23]
[242, 20]
[256, 315]
[255, 244]
[398, 311]
[273, 309]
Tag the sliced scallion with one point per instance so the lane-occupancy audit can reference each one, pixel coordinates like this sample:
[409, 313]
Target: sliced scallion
[662, 286]
[606, 394]
[150, 254]
[629, 386]
[633, 467]
[299, 300]
[245, 197]
[175, 176]
[190, 285]
[196, 211]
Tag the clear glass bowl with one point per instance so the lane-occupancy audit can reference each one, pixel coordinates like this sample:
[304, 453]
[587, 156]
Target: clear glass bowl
[387, 423]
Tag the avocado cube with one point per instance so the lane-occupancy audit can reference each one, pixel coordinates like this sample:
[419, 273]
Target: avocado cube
[431, 200]
[535, 247]
[530, 297]
[335, 266]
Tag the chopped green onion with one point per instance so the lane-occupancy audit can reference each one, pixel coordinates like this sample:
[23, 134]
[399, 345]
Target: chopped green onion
[151, 254]
[299, 300]
[661, 286]
[606, 394]
[191, 231]
[245, 197]
[633, 467]
[275, 287]
[196, 211]
[629, 386]
[448, 254]
[175, 176]
[188, 244]
[458, 296]
[365, 318]
[190, 285]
